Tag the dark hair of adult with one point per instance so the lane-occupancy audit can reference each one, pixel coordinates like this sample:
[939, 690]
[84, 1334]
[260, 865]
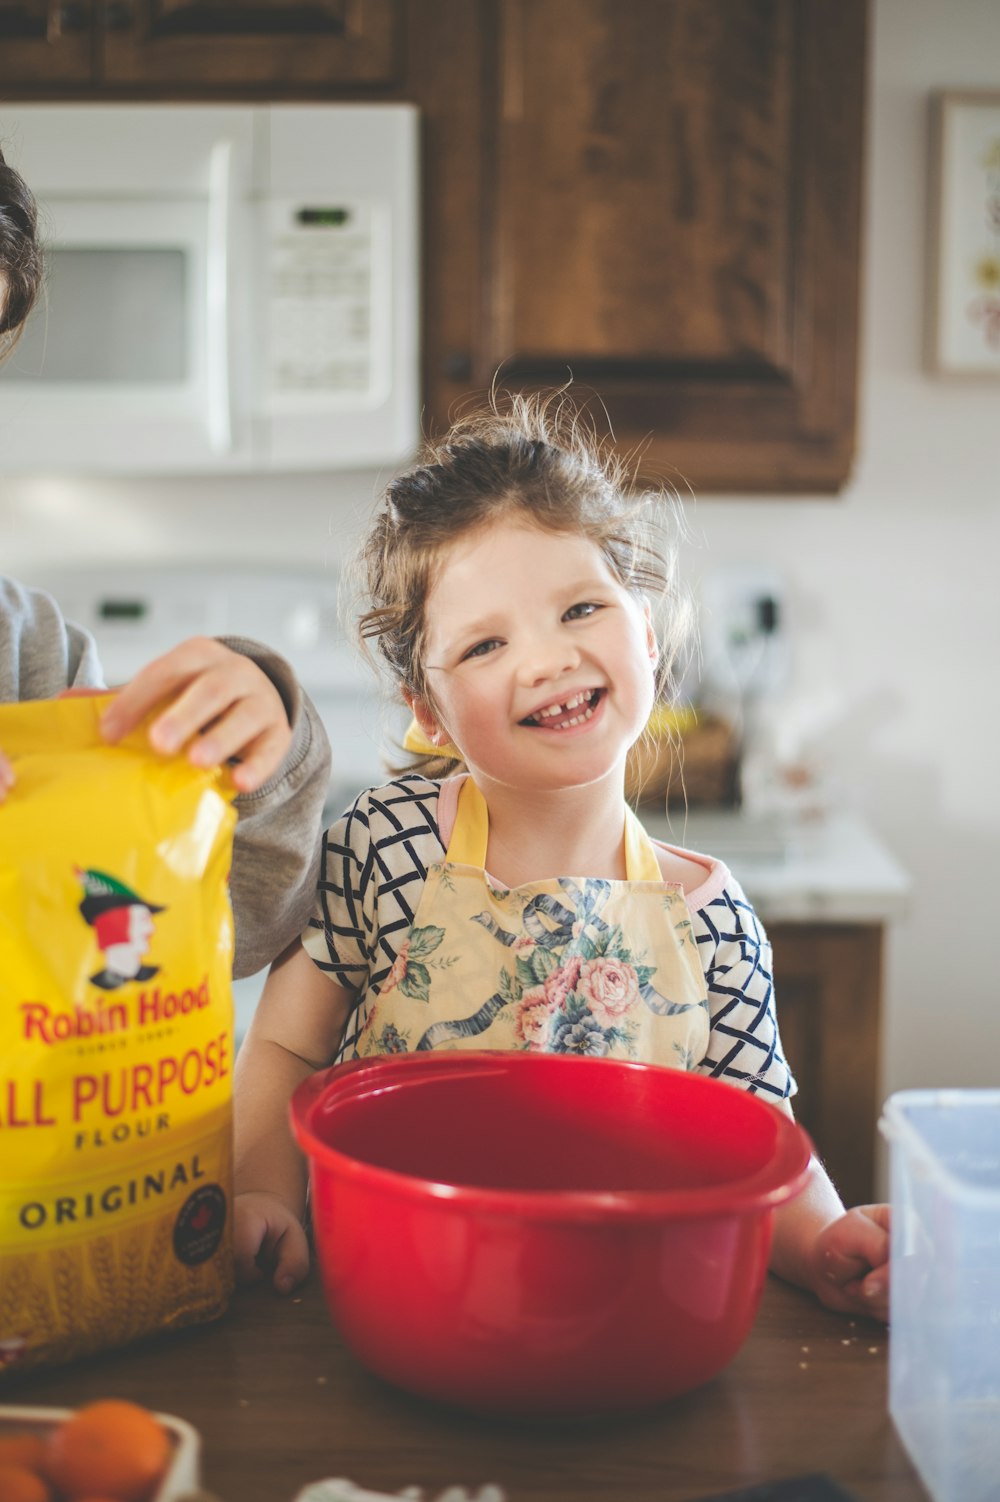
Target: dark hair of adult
[20, 252]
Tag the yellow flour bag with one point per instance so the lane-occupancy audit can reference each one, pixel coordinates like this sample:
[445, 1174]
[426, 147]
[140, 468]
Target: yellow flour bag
[116, 1037]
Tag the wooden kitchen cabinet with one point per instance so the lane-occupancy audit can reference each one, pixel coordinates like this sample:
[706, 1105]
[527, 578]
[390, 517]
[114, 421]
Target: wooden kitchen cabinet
[45, 45]
[145, 48]
[828, 980]
[661, 199]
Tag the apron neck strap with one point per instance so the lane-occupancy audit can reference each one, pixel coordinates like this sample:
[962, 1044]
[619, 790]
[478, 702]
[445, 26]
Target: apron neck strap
[471, 833]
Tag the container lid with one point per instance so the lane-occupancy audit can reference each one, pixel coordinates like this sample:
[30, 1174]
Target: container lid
[954, 1137]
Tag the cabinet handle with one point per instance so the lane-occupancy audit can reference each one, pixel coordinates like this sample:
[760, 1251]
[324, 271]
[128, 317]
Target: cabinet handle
[117, 15]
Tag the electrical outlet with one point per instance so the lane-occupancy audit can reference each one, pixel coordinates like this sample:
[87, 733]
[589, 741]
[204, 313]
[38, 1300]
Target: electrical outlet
[744, 636]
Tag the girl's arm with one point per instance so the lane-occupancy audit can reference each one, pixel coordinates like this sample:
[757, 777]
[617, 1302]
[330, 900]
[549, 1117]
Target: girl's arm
[842, 1256]
[297, 1029]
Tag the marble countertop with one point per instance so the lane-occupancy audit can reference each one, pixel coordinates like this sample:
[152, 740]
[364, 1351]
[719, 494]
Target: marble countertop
[832, 869]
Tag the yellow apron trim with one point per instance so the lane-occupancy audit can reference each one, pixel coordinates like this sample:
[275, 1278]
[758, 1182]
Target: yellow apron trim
[640, 857]
[470, 838]
[471, 834]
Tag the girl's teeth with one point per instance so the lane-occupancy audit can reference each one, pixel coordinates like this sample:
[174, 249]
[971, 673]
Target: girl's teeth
[588, 714]
[561, 709]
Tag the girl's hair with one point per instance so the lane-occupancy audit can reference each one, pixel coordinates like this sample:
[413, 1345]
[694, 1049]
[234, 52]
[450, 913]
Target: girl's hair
[526, 457]
[20, 254]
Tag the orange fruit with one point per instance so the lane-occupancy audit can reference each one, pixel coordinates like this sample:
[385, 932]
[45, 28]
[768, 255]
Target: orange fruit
[111, 1448]
[23, 1449]
[18, 1484]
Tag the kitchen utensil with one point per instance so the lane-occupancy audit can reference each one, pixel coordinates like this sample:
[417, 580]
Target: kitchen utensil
[542, 1234]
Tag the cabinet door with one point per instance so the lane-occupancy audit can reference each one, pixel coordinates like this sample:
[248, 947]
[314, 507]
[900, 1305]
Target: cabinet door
[669, 214]
[828, 984]
[285, 45]
[45, 42]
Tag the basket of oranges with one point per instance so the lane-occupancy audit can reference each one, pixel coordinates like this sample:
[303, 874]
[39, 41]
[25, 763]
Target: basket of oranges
[111, 1450]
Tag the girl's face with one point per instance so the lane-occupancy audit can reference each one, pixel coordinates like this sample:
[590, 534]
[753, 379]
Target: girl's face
[539, 662]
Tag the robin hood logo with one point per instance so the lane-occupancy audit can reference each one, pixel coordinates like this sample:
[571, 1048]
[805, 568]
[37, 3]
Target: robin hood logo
[123, 926]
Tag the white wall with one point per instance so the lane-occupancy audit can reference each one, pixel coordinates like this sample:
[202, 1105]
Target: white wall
[893, 592]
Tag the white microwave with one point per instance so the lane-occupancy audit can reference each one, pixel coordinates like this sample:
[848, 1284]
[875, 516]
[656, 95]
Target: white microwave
[228, 289]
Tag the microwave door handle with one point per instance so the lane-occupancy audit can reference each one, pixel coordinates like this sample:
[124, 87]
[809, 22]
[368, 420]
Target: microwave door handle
[220, 427]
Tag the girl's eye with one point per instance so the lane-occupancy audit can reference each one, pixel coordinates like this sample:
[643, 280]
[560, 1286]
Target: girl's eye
[481, 649]
[581, 611]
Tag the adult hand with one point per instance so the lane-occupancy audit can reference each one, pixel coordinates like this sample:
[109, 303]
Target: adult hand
[216, 699]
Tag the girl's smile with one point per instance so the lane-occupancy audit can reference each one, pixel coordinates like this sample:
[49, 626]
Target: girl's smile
[566, 714]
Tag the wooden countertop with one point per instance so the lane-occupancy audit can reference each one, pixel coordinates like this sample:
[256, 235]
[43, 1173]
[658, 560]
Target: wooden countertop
[279, 1402]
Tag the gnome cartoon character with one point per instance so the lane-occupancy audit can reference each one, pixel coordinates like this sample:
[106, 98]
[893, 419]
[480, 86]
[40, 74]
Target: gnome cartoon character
[123, 925]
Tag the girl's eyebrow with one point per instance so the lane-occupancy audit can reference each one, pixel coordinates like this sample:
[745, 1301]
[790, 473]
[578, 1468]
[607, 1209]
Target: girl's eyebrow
[486, 625]
[482, 627]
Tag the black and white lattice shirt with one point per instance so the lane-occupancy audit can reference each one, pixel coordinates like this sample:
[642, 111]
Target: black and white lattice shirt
[375, 862]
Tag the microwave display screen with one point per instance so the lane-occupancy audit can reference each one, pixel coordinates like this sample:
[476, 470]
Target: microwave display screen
[109, 317]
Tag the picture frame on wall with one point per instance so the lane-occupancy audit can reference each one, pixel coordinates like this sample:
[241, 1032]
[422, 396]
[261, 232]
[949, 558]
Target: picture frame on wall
[964, 302]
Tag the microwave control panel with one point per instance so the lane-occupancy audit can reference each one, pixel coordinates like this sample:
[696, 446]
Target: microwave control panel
[327, 297]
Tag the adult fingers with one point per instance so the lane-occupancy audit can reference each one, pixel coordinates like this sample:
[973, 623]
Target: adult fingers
[253, 726]
[261, 759]
[167, 677]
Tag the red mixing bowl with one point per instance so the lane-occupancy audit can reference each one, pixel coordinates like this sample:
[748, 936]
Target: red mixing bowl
[538, 1234]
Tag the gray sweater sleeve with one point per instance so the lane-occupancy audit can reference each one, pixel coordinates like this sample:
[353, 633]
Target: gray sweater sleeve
[278, 837]
[40, 653]
[276, 850]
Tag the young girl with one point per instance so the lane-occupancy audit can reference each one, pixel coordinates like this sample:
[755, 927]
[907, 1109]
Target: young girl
[509, 589]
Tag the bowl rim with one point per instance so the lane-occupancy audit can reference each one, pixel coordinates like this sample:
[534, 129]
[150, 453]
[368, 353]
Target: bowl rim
[775, 1183]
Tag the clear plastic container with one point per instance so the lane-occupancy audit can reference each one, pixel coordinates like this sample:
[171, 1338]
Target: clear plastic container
[944, 1333]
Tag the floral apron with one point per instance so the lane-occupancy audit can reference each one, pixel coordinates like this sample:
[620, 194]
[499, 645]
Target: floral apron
[575, 965]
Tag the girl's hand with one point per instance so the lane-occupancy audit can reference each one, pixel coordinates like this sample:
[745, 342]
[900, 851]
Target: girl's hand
[6, 777]
[218, 700]
[268, 1236]
[850, 1262]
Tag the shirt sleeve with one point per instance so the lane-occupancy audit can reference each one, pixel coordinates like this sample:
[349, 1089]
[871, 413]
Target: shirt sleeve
[276, 849]
[744, 1044]
[41, 653]
[342, 928]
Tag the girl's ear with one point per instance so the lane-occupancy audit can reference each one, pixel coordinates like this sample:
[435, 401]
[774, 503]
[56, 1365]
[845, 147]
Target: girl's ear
[425, 717]
[652, 645]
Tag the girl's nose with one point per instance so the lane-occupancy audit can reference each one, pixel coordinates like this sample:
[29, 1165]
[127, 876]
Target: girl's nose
[547, 658]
